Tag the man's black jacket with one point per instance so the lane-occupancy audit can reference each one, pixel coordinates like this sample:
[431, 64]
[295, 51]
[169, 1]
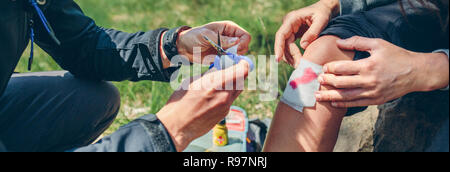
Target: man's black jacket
[87, 51]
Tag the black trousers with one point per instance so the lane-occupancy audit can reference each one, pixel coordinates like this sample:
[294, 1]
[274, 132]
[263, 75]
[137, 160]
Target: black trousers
[54, 111]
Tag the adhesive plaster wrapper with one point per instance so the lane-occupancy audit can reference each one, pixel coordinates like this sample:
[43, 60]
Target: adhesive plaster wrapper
[301, 88]
[226, 61]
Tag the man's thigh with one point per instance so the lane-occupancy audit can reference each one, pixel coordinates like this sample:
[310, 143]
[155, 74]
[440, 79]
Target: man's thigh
[53, 111]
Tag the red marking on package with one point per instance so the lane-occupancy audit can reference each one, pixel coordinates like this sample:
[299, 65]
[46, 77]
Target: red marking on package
[308, 76]
[236, 121]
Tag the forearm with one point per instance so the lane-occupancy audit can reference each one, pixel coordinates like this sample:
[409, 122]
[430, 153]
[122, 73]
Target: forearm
[90, 51]
[334, 5]
[432, 71]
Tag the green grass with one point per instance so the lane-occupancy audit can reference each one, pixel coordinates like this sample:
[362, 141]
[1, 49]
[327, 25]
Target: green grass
[260, 17]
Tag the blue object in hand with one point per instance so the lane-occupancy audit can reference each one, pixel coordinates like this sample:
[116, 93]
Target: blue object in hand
[236, 58]
[221, 53]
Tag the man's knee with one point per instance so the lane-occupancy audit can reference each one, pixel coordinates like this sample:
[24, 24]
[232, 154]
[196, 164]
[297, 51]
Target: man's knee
[325, 50]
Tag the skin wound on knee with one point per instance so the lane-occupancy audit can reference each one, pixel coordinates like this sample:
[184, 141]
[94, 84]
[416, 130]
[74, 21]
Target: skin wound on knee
[302, 85]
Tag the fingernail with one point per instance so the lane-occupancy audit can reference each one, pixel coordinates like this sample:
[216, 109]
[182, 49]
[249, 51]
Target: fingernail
[279, 59]
[320, 79]
[334, 104]
[340, 41]
[325, 69]
[304, 44]
[318, 98]
[232, 40]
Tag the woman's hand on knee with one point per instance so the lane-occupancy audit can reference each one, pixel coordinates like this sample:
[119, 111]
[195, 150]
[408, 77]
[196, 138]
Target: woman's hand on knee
[305, 23]
[389, 73]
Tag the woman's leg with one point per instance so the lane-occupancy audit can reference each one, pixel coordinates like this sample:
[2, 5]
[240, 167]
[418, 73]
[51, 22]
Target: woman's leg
[317, 128]
[53, 111]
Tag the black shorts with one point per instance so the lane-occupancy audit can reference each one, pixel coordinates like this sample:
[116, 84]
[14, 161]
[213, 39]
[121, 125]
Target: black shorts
[419, 29]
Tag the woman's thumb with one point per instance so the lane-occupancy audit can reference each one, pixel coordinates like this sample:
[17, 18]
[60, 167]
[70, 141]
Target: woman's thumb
[228, 42]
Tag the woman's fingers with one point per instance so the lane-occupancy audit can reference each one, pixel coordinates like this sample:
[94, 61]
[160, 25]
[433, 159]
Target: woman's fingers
[228, 42]
[232, 30]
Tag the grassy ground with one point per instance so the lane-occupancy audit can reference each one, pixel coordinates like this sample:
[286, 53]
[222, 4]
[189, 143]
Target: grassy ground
[260, 17]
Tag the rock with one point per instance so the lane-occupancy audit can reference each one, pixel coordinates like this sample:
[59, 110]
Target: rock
[411, 123]
[356, 134]
[408, 124]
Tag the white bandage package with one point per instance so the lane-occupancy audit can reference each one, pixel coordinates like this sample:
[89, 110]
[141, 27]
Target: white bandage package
[302, 86]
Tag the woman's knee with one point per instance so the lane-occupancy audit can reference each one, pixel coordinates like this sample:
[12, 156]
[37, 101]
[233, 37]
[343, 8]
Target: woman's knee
[103, 94]
[110, 96]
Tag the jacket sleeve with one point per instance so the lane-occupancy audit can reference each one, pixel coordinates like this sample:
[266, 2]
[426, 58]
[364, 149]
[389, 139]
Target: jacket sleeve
[146, 134]
[446, 52]
[352, 6]
[90, 51]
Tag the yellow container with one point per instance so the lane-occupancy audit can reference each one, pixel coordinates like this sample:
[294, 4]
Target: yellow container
[220, 135]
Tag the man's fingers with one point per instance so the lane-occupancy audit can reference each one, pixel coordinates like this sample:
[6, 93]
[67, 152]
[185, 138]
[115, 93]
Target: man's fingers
[343, 67]
[294, 50]
[288, 57]
[354, 81]
[290, 27]
[359, 44]
[280, 45]
[341, 95]
[357, 103]
[313, 32]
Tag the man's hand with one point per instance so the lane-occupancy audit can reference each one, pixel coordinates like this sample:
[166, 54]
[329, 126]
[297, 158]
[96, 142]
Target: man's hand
[305, 23]
[389, 73]
[191, 113]
[231, 34]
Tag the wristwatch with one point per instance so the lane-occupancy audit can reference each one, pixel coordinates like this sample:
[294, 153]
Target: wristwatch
[169, 42]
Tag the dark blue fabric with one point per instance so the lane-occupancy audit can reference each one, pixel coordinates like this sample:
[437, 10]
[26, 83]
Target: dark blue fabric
[53, 111]
[60, 112]
[440, 143]
[86, 50]
[146, 134]
[354, 6]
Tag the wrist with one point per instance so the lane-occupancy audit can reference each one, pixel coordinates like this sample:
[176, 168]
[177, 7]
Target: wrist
[165, 60]
[170, 41]
[333, 5]
[433, 71]
[182, 50]
[176, 129]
